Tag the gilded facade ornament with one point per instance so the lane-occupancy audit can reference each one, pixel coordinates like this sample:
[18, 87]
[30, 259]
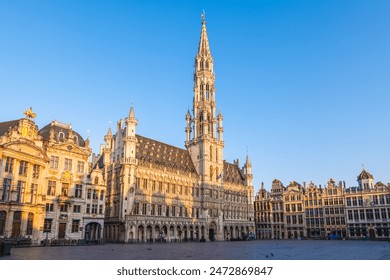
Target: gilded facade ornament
[30, 114]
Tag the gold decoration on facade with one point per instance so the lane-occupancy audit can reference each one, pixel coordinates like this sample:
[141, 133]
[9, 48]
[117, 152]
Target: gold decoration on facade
[30, 114]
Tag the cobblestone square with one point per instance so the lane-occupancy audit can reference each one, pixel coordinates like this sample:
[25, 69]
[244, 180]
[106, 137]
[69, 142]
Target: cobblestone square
[250, 250]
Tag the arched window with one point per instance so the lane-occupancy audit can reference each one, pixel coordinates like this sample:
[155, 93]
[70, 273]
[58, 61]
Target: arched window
[211, 172]
[216, 154]
[211, 152]
[30, 223]
[61, 136]
[96, 180]
[207, 65]
[16, 224]
[3, 219]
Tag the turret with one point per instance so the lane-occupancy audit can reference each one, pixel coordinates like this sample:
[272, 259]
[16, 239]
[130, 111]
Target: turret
[248, 171]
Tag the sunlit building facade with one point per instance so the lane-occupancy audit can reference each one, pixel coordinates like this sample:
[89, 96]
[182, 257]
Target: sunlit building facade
[316, 212]
[46, 179]
[158, 192]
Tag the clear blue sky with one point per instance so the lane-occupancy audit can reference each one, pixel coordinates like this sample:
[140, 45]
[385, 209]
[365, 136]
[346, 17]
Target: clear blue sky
[303, 85]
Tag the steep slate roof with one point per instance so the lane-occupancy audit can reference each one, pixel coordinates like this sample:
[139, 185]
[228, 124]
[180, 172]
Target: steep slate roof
[5, 126]
[100, 163]
[164, 155]
[232, 174]
[45, 133]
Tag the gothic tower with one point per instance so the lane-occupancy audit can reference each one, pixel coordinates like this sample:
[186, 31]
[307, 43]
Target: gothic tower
[205, 144]
[204, 136]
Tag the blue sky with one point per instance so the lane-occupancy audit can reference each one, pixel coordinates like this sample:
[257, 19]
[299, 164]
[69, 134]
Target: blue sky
[303, 85]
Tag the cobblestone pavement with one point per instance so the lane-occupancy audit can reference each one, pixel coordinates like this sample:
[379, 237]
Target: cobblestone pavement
[249, 250]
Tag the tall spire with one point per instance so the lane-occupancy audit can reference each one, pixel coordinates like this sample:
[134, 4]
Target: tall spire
[131, 113]
[202, 141]
[204, 48]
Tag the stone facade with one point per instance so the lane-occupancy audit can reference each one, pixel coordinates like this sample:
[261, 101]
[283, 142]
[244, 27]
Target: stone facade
[45, 176]
[158, 192]
[310, 211]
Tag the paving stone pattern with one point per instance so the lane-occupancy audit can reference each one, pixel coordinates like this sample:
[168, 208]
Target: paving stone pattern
[244, 250]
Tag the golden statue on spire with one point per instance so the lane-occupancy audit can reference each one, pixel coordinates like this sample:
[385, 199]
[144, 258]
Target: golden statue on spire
[30, 114]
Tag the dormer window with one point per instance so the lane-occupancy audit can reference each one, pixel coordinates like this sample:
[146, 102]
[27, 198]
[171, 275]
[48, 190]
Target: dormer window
[61, 136]
[76, 139]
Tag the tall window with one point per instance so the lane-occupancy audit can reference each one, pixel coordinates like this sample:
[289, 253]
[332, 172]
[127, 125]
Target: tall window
[68, 164]
[30, 221]
[144, 209]
[94, 194]
[173, 211]
[3, 219]
[94, 208]
[51, 188]
[9, 164]
[47, 225]
[88, 209]
[36, 171]
[136, 207]
[101, 195]
[65, 189]
[89, 194]
[78, 192]
[80, 166]
[54, 162]
[49, 207]
[100, 209]
[369, 214]
[75, 225]
[76, 208]
[23, 168]
[64, 208]
[16, 224]
[20, 187]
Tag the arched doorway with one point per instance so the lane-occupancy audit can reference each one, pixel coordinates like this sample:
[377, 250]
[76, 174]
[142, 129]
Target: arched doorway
[149, 234]
[185, 233]
[191, 233]
[3, 219]
[179, 233]
[212, 231]
[225, 233]
[197, 233]
[92, 231]
[141, 233]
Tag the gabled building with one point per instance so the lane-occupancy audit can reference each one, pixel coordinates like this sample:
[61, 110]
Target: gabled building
[368, 208]
[47, 191]
[330, 212]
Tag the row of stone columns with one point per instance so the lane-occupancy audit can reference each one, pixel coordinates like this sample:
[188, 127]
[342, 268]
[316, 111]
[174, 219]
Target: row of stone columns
[155, 233]
[234, 232]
